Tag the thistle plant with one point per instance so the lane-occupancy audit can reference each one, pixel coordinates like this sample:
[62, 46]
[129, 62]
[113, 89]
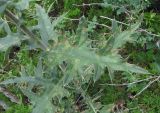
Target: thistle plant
[67, 60]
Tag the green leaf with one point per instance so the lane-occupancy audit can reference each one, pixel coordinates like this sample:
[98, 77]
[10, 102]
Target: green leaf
[7, 28]
[98, 73]
[3, 105]
[44, 102]
[121, 10]
[8, 41]
[3, 4]
[114, 26]
[82, 56]
[107, 108]
[39, 70]
[58, 20]
[136, 69]
[45, 26]
[21, 79]
[2, 8]
[125, 36]
[23, 4]
[128, 67]
[82, 30]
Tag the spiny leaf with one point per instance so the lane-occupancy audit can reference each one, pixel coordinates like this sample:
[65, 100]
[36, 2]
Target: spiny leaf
[22, 79]
[136, 69]
[39, 70]
[114, 26]
[43, 103]
[58, 20]
[82, 56]
[124, 37]
[128, 67]
[8, 41]
[3, 4]
[98, 72]
[3, 105]
[23, 4]
[45, 26]
[2, 8]
[82, 30]
[28, 92]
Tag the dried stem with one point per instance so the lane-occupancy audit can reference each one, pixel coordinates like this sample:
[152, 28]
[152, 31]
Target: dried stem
[96, 4]
[135, 82]
[96, 23]
[91, 4]
[140, 29]
[148, 85]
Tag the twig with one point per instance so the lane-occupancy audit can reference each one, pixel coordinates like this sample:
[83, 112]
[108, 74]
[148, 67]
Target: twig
[135, 82]
[72, 19]
[101, 25]
[96, 23]
[149, 84]
[143, 30]
[96, 4]
[91, 4]
[114, 20]
[140, 29]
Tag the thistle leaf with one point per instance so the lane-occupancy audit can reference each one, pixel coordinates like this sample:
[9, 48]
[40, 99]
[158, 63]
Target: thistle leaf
[3, 4]
[8, 41]
[124, 37]
[136, 69]
[23, 4]
[45, 26]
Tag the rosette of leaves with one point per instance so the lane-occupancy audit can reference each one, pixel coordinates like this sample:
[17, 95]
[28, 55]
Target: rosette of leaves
[68, 60]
